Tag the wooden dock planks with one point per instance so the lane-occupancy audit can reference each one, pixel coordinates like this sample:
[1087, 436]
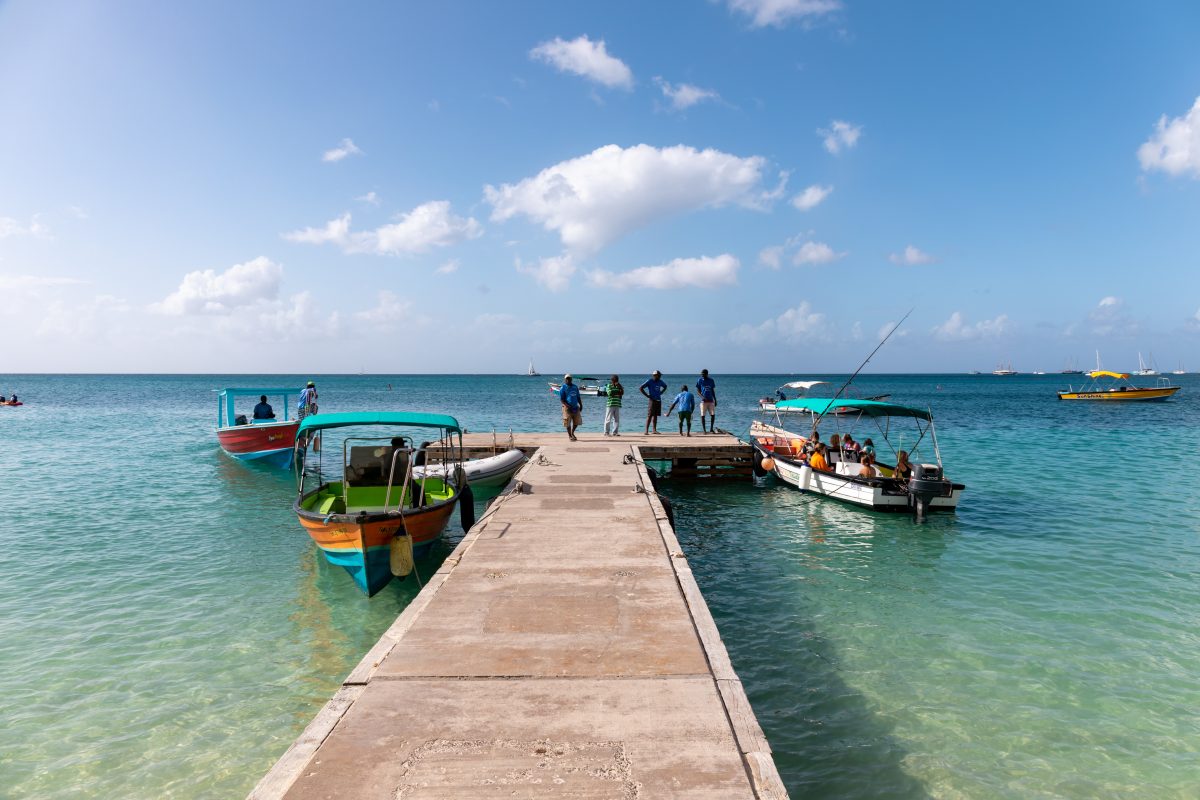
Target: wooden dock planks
[562, 650]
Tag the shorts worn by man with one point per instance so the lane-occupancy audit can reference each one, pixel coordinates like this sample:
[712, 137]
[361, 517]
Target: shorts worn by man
[653, 389]
[572, 406]
[687, 404]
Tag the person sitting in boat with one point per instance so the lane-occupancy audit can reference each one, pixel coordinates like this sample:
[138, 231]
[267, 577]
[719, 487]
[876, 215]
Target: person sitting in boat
[849, 446]
[817, 459]
[867, 469]
[868, 446]
[810, 446]
[903, 469]
[263, 410]
[13, 400]
[780, 395]
[835, 442]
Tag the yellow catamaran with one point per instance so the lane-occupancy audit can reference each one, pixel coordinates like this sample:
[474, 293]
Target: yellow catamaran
[1116, 386]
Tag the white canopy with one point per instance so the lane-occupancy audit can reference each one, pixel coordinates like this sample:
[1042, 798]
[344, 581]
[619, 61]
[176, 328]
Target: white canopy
[803, 384]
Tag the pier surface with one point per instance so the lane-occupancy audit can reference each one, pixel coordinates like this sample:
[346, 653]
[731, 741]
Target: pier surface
[562, 650]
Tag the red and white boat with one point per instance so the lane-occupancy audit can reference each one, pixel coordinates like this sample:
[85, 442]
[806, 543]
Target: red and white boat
[271, 439]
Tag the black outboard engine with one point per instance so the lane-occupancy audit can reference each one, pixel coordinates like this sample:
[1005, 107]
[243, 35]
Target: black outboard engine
[926, 483]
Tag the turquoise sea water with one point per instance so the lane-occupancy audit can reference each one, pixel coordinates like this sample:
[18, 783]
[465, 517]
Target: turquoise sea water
[167, 629]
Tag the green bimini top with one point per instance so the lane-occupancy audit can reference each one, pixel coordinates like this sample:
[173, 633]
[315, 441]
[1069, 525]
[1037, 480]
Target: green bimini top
[318, 422]
[255, 392]
[870, 408]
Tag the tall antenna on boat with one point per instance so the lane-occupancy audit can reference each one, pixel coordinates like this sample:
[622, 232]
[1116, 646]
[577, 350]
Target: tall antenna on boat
[850, 380]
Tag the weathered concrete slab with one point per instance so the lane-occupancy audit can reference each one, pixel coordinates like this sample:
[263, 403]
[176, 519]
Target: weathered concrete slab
[563, 650]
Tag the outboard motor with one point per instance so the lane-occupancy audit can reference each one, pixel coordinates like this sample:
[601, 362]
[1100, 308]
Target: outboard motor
[926, 483]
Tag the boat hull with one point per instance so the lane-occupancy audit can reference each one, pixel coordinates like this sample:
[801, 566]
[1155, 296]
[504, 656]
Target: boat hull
[1128, 395]
[360, 543]
[272, 442]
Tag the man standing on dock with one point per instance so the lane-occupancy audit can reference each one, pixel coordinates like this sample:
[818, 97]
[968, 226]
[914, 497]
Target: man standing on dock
[572, 406]
[706, 387]
[653, 388]
[612, 411]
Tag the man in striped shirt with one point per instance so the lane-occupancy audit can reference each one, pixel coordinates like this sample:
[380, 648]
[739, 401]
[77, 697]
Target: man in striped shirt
[612, 412]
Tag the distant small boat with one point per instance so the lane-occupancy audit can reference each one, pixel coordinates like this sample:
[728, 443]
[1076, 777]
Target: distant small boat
[1144, 368]
[532, 373]
[1180, 371]
[587, 386]
[974, 372]
[7, 403]
[1039, 372]
[802, 389]
[271, 439]
[1003, 370]
[1070, 368]
[1118, 389]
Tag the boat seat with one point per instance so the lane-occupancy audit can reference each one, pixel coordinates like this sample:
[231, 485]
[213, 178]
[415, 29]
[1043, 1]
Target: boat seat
[372, 465]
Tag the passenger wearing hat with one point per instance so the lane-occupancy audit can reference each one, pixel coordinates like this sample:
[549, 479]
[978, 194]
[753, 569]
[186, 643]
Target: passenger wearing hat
[572, 406]
[308, 401]
[653, 388]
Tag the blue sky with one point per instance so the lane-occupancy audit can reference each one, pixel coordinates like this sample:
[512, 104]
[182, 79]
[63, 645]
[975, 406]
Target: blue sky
[744, 185]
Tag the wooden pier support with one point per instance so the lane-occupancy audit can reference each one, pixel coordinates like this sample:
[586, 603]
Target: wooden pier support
[562, 650]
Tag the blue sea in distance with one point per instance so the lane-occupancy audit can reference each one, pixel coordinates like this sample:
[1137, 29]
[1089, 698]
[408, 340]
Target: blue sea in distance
[167, 629]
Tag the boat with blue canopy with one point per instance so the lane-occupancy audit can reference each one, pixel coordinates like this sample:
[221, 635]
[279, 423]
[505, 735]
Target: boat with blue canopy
[262, 433]
[367, 500]
[843, 473]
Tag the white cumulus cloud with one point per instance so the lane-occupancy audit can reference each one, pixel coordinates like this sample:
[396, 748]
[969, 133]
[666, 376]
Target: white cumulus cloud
[370, 198]
[389, 311]
[840, 136]
[553, 273]
[595, 199]
[811, 197]
[777, 13]
[684, 95]
[346, 148]
[13, 227]
[815, 253]
[794, 325]
[448, 268]
[427, 226]
[704, 272]
[585, 58]
[957, 329]
[1175, 146]
[911, 256]
[211, 292]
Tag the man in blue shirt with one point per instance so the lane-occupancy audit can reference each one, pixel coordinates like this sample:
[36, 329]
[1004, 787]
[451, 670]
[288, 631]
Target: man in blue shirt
[308, 401]
[687, 404]
[572, 406]
[706, 387]
[263, 410]
[653, 388]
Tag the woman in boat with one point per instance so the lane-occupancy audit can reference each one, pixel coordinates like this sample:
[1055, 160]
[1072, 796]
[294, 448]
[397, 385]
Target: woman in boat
[868, 467]
[835, 442]
[903, 470]
[849, 446]
[868, 446]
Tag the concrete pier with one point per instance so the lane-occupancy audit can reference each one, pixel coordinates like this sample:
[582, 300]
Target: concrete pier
[562, 650]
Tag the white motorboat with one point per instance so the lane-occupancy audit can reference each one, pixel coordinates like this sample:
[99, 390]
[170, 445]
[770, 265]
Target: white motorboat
[782, 451]
[587, 386]
[800, 389]
[1004, 370]
[480, 472]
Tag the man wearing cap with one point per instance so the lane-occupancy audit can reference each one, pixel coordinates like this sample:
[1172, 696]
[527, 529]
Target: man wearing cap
[308, 401]
[653, 388]
[706, 387]
[572, 406]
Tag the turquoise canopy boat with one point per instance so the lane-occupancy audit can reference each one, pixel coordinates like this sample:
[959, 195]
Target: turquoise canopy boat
[919, 487]
[372, 508]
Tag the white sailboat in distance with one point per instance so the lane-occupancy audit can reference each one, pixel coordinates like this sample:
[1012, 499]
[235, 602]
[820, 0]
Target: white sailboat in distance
[1143, 369]
[532, 373]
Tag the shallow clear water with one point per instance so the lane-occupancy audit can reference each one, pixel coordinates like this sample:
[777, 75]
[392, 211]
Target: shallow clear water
[166, 628]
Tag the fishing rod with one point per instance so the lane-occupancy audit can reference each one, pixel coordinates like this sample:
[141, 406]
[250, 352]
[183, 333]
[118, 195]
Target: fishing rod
[850, 380]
